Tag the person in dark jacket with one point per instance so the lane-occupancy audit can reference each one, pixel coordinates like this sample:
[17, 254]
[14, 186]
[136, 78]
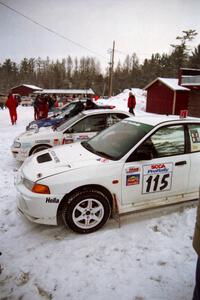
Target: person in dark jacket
[42, 107]
[12, 104]
[90, 104]
[131, 103]
[196, 246]
[35, 107]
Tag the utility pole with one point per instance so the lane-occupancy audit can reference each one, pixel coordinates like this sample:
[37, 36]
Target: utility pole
[111, 71]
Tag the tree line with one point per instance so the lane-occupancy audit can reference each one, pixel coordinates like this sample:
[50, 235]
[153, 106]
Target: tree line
[86, 72]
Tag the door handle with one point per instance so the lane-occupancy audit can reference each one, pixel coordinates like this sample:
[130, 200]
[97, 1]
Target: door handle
[180, 163]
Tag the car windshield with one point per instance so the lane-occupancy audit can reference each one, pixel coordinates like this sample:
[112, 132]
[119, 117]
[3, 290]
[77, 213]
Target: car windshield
[115, 141]
[68, 109]
[65, 124]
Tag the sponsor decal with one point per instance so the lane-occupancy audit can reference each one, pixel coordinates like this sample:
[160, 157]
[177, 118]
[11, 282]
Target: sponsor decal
[157, 177]
[132, 179]
[194, 136]
[55, 157]
[82, 137]
[132, 170]
[52, 200]
[157, 168]
[42, 141]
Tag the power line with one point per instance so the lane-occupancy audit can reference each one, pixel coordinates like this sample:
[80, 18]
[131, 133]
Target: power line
[51, 30]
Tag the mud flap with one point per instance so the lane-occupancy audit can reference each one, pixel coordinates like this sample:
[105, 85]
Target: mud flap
[115, 211]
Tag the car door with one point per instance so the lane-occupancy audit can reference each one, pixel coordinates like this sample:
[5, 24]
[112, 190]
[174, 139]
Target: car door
[85, 128]
[194, 138]
[158, 169]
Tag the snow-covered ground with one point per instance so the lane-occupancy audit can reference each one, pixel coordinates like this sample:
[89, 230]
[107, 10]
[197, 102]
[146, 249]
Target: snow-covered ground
[120, 100]
[150, 257]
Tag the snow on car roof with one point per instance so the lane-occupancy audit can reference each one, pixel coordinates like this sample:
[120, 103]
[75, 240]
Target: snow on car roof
[157, 119]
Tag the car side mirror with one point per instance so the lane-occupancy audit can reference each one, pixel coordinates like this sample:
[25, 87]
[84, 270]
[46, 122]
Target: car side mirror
[140, 154]
[143, 155]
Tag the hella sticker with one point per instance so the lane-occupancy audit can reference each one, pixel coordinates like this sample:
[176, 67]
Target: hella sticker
[52, 200]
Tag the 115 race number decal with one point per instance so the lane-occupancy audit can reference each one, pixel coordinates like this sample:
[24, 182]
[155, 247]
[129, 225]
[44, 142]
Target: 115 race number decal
[157, 178]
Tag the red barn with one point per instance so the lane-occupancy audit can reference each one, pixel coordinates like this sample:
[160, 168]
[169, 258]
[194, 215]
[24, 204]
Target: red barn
[166, 96]
[190, 78]
[25, 89]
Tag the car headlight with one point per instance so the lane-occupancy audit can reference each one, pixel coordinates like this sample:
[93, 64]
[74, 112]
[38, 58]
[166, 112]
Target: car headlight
[40, 189]
[16, 144]
[28, 184]
[36, 187]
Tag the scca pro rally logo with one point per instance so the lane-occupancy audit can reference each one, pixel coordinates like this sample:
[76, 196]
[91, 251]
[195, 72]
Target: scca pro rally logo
[157, 168]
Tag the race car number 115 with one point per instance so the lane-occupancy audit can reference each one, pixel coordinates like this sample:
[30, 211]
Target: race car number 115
[157, 178]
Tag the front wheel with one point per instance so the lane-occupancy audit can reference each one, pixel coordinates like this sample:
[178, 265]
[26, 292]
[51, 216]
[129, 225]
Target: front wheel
[86, 211]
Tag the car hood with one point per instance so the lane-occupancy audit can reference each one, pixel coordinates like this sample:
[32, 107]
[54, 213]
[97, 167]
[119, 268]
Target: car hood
[57, 160]
[44, 133]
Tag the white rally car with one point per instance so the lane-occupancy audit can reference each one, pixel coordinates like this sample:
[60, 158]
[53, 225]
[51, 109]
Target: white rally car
[138, 163]
[78, 128]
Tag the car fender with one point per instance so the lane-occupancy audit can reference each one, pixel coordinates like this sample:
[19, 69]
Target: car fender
[67, 182]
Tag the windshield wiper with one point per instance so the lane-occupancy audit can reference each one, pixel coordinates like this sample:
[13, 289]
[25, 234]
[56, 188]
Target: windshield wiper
[104, 154]
[100, 153]
[87, 146]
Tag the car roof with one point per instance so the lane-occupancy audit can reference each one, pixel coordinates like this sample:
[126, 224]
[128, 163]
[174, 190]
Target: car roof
[158, 119]
[105, 111]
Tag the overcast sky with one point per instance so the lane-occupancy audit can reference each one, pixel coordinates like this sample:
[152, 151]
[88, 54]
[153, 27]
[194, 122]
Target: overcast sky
[141, 26]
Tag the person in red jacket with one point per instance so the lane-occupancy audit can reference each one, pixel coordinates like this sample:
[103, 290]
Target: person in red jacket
[42, 107]
[12, 104]
[131, 103]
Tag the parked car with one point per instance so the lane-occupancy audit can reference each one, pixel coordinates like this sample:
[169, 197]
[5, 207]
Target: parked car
[61, 114]
[80, 127]
[138, 163]
[66, 112]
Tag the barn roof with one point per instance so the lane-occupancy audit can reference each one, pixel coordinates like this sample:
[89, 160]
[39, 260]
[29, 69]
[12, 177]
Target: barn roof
[172, 83]
[30, 86]
[66, 91]
[33, 87]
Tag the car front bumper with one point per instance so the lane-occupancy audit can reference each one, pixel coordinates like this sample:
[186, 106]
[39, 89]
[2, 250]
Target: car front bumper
[38, 208]
[19, 154]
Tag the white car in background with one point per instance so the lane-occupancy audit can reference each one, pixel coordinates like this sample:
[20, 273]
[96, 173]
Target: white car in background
[138, 163]
[80, 127]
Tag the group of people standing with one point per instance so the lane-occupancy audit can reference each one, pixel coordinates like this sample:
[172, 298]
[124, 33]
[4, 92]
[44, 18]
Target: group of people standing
[42, 105]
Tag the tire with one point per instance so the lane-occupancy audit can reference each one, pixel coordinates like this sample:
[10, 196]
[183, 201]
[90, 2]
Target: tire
[86, 211]
[38, 149]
